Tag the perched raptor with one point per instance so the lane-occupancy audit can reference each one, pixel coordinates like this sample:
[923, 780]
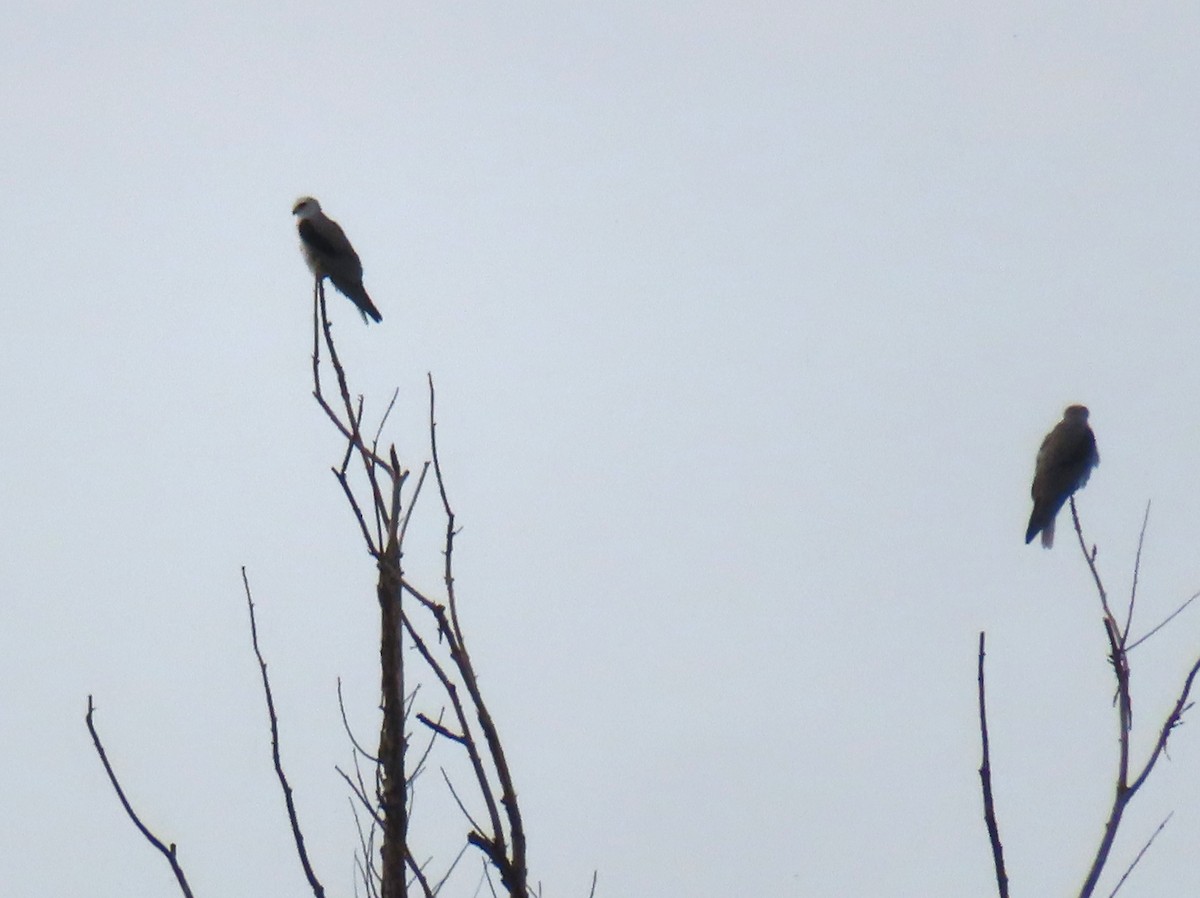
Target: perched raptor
[1064, 464]
[329, 254]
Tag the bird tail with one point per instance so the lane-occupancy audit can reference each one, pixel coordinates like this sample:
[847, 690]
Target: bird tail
[1041, 521]
[1048, 535]
[371, 312]
[357, 294]
[366, 307]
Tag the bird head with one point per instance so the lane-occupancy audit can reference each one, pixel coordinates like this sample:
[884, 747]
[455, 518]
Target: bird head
[1073, 412]
[306, 207]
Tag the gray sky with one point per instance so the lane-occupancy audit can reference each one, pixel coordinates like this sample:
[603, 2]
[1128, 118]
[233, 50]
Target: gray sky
[746, 322]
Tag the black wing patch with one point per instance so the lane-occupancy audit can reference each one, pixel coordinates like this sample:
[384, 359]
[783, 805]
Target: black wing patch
[312, 237]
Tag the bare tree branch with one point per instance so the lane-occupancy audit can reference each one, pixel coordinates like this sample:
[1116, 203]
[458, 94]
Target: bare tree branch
[458, 857]
[440, 730]
[422, 880]
[168, 851]
[1173, 720]
[504, 842]
[1090, 558]
[985, 778]
[1124, 790]
[420, 765]
[366, 845]
[457, 800]
[1170, 617]
[438, 639]
[1137, 567]
[460, 712]
[413, 502]
[346, 726]
[298, 837]
[1140, 854]
[357, 791]
[513, 873]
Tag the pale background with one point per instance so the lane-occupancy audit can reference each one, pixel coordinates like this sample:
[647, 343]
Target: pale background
[746, 321]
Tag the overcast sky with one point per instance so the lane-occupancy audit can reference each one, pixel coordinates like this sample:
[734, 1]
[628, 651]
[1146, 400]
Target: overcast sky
[746, 322]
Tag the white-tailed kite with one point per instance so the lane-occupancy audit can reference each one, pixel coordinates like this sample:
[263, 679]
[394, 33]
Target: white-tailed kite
[329, 254]
[1064, 463]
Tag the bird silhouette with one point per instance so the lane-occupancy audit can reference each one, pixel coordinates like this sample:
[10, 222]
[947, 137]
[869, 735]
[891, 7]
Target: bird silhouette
[330, 255]
[1064, 463]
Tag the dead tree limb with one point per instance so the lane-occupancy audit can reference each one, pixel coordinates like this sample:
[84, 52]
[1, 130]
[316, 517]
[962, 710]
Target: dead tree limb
[512, 867]
[1141, 854]
[289, 800]
[383, 519]
[1129, 778]
[1124, 788]
[168, 851]
[985, 779]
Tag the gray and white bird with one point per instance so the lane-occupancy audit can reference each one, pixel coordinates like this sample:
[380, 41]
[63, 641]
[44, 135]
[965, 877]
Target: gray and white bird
[1064, 463]
[330, 255]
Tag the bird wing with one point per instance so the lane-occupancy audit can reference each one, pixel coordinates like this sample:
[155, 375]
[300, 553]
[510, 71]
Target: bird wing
[331, 255]
[1065, 460]
[329, 240]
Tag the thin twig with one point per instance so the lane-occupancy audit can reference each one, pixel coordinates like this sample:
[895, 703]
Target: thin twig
[475, 826]
[357, 786]
[167, 851]
[1090, 557]
[1173, 720]
[430, 605]
[421, 879]
[346, 726]
[460, 713]
[491, 885]
[441, 882]
[1137, 566]
[372, 546]
[366, 845]
[360, 795]
[448, 550]
[298, 837]
[985, 777]
[419, 767]
[1145, 848]
[512, 868]
[441, 730]
[350, 431]
[1170, 617]
[1122, 792]
[386, 414]
[412, 502]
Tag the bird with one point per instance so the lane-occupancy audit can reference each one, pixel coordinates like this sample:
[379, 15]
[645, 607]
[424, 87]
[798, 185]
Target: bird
[330, 255]
[1064, 463]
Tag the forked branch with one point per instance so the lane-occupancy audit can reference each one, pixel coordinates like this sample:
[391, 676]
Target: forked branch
[1125, 787]
[445, 658]
[1118, 641]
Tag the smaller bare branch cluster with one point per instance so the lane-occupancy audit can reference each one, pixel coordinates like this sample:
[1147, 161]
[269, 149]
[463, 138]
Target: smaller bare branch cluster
[1130, 777]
